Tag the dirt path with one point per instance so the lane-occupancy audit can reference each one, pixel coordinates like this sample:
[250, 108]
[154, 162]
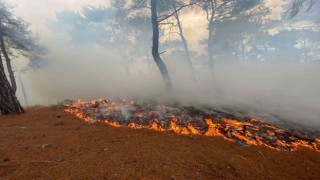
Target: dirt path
[47, 143]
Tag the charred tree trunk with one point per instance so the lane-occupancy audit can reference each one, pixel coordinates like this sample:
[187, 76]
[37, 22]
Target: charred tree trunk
[9, 66]
[155, 46]
[9, 103]
[185, 45]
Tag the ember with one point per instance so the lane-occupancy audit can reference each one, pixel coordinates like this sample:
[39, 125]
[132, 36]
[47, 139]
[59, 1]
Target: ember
[192, 121]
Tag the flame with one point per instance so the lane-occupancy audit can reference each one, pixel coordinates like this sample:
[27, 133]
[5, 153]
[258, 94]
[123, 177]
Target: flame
[164, 118]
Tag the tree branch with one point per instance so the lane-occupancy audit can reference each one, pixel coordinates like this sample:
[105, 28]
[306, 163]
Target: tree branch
[176, 11]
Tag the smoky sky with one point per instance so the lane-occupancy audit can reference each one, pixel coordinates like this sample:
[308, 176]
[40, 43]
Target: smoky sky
[271, 68]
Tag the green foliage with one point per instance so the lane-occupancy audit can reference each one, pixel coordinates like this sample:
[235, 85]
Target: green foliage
[18, 39]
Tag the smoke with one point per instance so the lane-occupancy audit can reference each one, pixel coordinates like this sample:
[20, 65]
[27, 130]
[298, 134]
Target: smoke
[83, 62]
[286, 91]
[125, 112]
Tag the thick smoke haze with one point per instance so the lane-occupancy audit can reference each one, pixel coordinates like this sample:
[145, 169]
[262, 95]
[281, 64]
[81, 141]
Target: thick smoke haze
[84, 62]
[287, 90]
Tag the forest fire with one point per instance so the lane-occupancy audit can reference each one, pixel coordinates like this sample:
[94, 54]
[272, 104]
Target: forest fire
[192, 121]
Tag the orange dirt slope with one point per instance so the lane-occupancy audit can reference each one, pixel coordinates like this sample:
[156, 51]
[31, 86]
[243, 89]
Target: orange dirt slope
[47, 143]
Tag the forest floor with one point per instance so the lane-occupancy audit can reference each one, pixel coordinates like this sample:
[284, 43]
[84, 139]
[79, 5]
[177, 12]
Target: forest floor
[48, 143]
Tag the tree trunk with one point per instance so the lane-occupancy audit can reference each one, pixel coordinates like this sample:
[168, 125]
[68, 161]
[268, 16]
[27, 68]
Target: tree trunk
[125, 62]
[23, 90]
[242, 51]
[185, 45]
[155, 46]
[9, 67]
[210, 47]
[210, 36]
[124, 59]
[149, 64]
[9, 103]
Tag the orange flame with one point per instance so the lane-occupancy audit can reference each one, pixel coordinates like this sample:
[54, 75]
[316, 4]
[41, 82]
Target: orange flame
[253, 132]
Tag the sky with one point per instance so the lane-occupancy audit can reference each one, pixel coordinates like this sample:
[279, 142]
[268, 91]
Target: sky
[38, 12]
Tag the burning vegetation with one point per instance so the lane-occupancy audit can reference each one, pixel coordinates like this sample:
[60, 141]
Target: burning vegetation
[192, 121]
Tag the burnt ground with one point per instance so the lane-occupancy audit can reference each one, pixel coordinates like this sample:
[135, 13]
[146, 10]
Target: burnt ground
[47, 143]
